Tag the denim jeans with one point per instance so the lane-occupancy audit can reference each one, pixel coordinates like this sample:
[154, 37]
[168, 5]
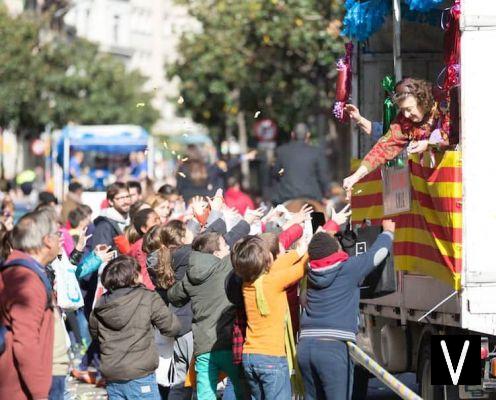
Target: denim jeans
[141, 388]
[57, 389]
[268, 376]
[83, 327]
[208, 366]
[326, 368]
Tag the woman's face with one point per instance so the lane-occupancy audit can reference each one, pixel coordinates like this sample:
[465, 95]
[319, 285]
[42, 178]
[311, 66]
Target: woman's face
[410, 109]
[153, 220]
[163, 210]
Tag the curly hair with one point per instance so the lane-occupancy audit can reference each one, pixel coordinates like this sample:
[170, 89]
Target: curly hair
[418, 88]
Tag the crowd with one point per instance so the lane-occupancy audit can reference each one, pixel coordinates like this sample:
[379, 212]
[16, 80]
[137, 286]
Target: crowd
[169, 299]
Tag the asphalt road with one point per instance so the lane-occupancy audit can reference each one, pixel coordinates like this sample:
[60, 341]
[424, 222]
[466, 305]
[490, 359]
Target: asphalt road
[378, 391]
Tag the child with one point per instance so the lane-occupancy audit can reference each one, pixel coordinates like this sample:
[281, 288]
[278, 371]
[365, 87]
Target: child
[264, 283]
[330, 318]
[123, 322]
[213, 314]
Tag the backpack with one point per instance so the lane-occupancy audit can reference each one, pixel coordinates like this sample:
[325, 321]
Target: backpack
[26, 263]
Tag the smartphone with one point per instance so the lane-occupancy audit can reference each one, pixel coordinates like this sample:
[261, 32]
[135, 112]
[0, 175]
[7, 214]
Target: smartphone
[102, 247]
[318, 219]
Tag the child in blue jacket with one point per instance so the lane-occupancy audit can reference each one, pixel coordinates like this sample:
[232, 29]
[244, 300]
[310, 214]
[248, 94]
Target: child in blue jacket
[330, 318]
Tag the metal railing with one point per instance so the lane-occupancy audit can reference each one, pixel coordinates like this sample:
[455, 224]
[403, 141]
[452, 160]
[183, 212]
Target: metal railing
[385, 377]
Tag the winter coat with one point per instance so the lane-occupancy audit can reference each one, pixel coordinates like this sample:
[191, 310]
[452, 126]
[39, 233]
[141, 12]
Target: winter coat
[123, 321]
[213, 313]
[235, 198]
[107, 226]
[26, 364]
[333, 293]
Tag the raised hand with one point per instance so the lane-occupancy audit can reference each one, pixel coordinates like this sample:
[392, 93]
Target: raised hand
[341, 217]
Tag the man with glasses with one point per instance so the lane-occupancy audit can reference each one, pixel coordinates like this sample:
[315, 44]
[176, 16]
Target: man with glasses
[111, 223]
[26, 308]
[114, 219]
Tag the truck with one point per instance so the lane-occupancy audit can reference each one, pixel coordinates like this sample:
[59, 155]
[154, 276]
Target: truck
[396, 329]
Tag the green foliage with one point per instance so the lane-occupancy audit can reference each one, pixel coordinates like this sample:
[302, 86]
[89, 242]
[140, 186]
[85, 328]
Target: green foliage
[57, 82]
[278, 55]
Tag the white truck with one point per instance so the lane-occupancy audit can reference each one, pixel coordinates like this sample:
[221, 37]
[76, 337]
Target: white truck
[393, 330]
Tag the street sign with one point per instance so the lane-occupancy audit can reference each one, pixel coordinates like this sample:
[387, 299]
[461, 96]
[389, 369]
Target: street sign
[396, 191]
[265, 130]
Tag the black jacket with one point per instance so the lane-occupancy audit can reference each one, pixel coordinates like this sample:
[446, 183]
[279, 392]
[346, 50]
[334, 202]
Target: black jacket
[180, 263]
[202, 290]
[124, 321]
[301, 171]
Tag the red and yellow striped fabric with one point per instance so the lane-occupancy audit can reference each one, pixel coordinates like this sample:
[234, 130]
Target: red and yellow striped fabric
[428, 238]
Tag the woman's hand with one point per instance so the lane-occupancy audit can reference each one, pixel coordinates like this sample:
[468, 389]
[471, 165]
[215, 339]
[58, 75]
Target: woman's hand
[350, 181]
[353, 112]
[82, 240]
[102, 251]
[417, 146]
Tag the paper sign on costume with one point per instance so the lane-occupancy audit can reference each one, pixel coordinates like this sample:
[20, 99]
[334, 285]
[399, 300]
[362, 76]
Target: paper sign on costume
[396, 192]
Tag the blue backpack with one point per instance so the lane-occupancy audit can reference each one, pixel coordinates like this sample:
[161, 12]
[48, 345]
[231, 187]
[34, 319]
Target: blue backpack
[29, 264]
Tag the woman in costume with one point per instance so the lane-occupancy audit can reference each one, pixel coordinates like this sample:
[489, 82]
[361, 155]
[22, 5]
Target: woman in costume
[420, 123]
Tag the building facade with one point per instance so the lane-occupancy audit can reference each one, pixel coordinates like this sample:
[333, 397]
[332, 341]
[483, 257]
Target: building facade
[144, 34]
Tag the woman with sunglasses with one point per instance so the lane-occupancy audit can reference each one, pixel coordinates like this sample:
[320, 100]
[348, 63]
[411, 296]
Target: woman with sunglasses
[419, 124]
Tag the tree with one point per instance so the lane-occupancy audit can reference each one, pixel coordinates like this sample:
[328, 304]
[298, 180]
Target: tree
[276, 57]
[59, 81]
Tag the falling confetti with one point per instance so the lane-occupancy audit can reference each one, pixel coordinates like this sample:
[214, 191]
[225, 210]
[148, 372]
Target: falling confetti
[185, 135]
[180, 100]
[359, 191]
[165, 145]
[140, 105]
[181, 174]
[281, 171]
[257, 114]
[185, 159]
[173, 152]
[178, 156]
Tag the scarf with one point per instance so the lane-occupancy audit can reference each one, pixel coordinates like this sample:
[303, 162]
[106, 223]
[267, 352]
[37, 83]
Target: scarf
[331, 259]
[262, 305]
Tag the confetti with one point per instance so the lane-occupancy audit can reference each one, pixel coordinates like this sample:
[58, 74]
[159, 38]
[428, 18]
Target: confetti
[182, 175]
[257, 114]
[281, 171]
[185, 135]
[139, 105]
[165, 145]
[173, 152]
[359, 191]
[178, 156]
[185, 159]
[180, 100]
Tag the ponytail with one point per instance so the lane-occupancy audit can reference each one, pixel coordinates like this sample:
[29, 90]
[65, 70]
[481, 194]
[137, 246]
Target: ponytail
[164, 270]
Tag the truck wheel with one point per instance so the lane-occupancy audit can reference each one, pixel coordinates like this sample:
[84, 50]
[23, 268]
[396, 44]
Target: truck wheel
[360, 383]
[428, 391]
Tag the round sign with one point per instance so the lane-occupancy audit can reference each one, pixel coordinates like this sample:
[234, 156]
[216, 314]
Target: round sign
[38, 147]
[266, 130]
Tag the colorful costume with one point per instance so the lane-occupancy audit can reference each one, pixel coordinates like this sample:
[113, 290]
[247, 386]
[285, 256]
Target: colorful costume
[402, 131]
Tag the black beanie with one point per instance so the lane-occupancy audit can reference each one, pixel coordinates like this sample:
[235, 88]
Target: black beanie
[322, 245]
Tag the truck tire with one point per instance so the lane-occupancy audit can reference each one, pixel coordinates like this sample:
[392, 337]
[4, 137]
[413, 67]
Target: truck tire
[360, 383]
[428, 391]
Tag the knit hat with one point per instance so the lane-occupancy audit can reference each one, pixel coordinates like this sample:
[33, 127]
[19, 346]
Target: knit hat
[322, 245]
